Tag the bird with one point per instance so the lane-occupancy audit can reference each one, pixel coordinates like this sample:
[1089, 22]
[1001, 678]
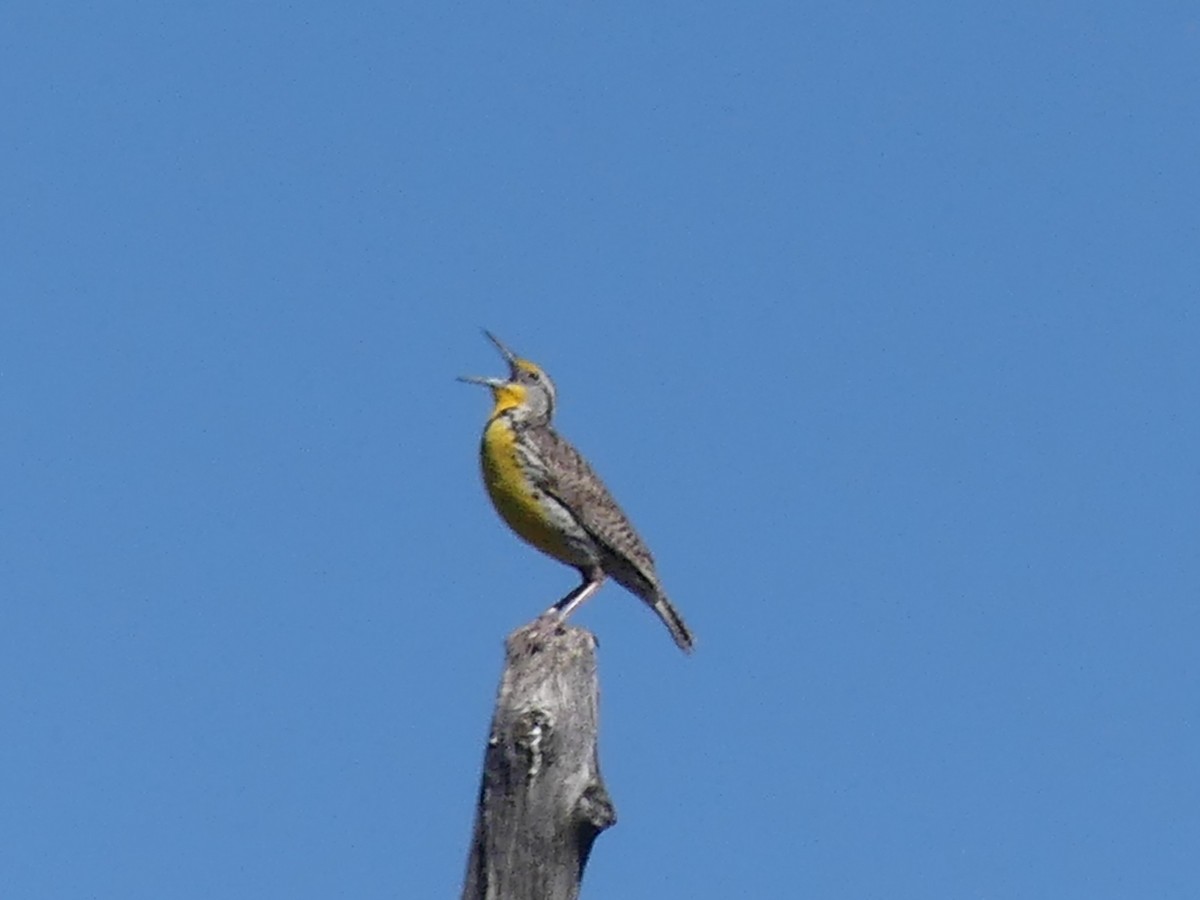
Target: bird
[548, 494]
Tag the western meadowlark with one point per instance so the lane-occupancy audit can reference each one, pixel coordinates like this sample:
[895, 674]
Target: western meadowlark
[548, 494]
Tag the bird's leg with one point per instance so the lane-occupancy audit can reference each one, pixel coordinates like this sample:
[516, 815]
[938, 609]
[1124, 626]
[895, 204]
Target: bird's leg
[566, 606]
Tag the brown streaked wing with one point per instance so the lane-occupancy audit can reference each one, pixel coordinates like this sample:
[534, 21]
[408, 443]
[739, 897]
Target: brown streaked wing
[570, 479]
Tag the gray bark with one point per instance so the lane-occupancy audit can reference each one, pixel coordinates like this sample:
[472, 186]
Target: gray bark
[542, 801]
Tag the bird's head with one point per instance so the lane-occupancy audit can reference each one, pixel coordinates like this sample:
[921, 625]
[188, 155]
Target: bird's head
[527, 390]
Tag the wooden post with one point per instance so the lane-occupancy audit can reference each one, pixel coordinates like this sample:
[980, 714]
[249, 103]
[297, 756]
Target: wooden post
[541, 802]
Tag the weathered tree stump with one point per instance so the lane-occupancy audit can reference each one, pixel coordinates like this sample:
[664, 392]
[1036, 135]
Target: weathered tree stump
[541, 801]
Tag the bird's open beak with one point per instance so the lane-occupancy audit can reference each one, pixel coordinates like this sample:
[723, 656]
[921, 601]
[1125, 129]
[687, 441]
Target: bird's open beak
[493, 383]
[509, 356]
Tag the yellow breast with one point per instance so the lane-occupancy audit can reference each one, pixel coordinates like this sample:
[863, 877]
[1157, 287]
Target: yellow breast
[513, 494]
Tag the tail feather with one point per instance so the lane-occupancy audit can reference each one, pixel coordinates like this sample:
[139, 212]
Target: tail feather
[671, 618]
[645, 585]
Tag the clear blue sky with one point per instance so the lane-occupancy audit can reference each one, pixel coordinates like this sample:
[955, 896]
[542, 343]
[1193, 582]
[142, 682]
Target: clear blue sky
[881, 321]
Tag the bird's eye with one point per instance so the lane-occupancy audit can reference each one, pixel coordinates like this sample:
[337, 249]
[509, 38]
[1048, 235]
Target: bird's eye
[535, 375]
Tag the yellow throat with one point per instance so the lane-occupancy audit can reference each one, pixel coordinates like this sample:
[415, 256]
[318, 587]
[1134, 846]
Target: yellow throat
[511, 488]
